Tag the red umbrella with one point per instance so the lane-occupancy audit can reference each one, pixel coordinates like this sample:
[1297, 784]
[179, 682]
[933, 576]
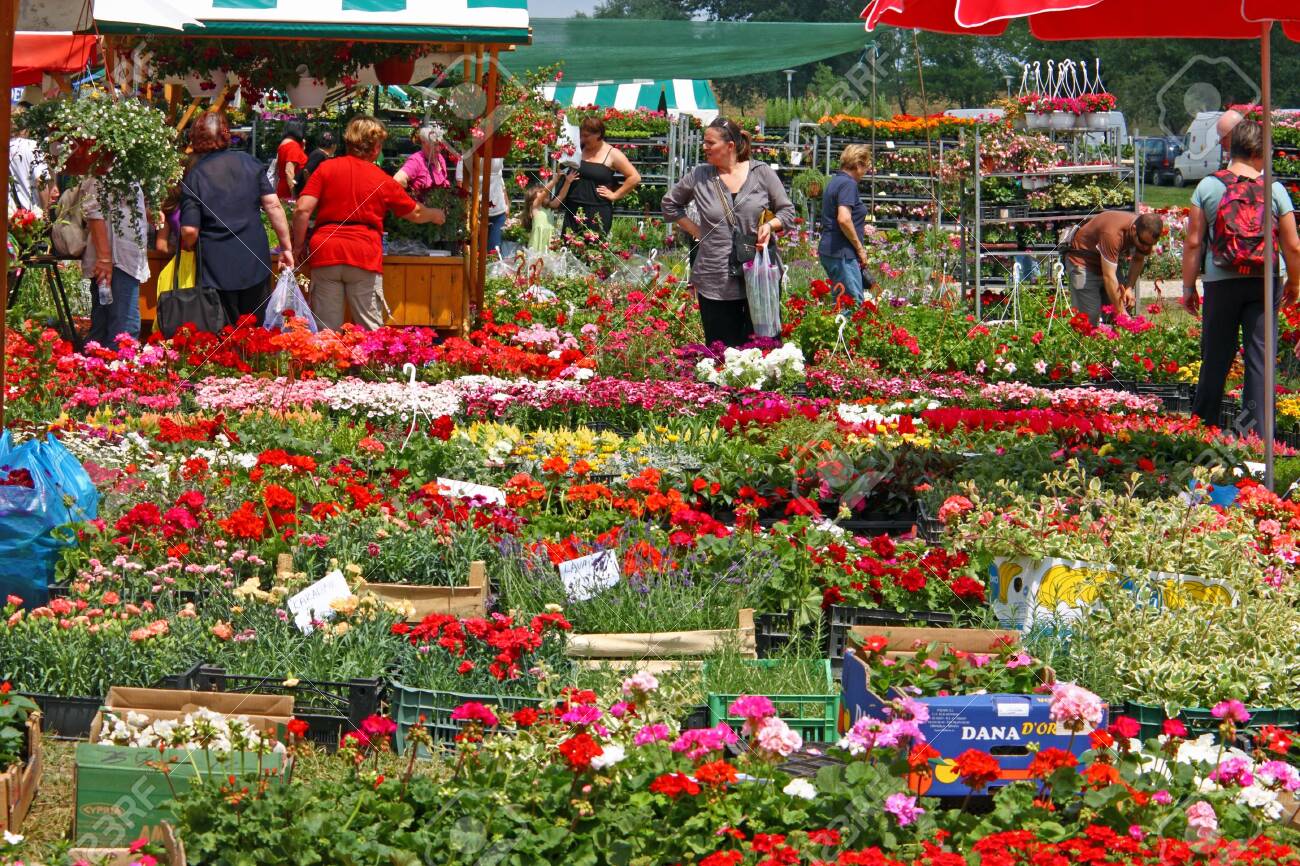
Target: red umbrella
[1128, 19]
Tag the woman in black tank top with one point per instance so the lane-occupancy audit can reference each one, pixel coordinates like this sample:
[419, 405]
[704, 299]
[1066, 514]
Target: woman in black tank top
[590, 202]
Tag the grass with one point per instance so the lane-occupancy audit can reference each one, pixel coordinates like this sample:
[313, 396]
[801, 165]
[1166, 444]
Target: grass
[1166, 196]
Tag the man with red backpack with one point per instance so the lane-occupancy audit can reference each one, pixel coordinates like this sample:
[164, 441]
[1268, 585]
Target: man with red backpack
[1225, 240]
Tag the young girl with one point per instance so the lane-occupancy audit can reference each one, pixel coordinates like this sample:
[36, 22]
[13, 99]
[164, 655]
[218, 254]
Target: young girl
[538, 219]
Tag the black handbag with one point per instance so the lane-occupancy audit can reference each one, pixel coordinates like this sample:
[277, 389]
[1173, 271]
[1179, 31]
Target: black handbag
[198, 305]
[744, 246]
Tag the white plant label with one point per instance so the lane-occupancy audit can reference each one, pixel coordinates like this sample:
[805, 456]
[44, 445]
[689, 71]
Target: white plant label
[466, 490]
[585, 576]
[313, 603]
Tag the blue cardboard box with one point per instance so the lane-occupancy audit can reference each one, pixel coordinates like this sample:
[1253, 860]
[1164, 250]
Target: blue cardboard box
[1011, 728]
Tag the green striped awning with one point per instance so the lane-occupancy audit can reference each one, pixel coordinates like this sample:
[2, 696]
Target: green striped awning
[675, 96]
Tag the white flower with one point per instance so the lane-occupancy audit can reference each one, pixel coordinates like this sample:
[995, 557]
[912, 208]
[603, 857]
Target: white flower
[1261, 798]
[612, 754]
[801, 788]
[12, 838]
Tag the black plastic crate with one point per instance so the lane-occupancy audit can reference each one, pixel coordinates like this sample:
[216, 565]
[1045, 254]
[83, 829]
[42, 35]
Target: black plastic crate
[697, 718]
[929, 526]
[1176, 397]
[69, 717]
[330, 709]
[841, 618]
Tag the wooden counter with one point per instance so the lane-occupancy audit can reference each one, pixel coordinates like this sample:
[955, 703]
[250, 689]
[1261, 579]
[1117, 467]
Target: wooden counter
[421, 290]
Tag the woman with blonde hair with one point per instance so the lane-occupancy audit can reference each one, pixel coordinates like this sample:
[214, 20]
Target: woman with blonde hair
[843, 226]
[349, 196]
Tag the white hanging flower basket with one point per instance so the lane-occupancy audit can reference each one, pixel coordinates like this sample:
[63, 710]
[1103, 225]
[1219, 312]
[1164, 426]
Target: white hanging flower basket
[206, 86]
[308, 92]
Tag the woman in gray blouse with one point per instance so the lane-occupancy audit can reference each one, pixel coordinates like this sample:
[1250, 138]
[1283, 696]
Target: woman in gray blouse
[751, 188]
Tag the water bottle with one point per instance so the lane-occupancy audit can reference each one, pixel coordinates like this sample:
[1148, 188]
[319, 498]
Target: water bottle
[105, 294]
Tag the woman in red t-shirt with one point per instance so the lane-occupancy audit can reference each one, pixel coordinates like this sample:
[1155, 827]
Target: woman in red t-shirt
[350, 196]
[289, 160]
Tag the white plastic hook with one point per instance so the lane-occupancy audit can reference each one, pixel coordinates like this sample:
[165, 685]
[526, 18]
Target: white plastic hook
[1096, 76]
[409, 369]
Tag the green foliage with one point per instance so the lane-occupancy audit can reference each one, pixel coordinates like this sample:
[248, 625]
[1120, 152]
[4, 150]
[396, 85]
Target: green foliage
[14, 710]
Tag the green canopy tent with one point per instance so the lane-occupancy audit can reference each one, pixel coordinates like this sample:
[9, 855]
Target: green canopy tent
[623, 49]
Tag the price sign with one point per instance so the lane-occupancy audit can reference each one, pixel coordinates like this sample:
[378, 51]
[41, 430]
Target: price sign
[313, 603]
[587, 575]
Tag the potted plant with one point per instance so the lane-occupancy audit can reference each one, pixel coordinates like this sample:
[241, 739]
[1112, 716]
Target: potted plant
[125, 141]
[529, 131]
[810, 182]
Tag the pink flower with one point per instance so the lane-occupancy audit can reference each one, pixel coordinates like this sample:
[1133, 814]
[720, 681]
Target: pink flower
[652, 734]
[903, 807]
[1162, 797]
[954, 506]
[775, 736]
[1231, 709]
[641, 682]
[474, 712]
[1233, 771]
[1019, 660]
[1136, 833]
[1075, 707]
[698, 744]
[1201, 818]
[1279, 774]
[582, 714]
[751, 707]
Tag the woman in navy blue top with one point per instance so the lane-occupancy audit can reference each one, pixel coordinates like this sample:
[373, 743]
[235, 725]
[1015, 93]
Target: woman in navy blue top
[843, 225]
[222, 200]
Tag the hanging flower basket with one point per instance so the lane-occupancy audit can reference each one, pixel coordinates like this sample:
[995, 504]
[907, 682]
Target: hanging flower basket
[1097, 119]
[1037, 120]
[200, 86]
[395, 70]
[83, 160]
[308, 92]
[1064, 120]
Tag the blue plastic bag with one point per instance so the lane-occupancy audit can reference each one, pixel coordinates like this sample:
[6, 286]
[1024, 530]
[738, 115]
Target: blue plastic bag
[61, 493]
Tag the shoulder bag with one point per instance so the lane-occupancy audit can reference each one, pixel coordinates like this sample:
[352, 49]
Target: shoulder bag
[198, 305]
[744, 246]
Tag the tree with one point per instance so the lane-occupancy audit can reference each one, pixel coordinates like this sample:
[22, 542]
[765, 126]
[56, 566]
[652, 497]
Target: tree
[659, 10]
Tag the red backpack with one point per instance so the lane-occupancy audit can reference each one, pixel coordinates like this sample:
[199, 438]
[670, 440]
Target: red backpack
[1237, 243]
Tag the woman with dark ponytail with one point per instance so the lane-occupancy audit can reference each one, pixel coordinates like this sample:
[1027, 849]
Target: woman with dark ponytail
[732, 194]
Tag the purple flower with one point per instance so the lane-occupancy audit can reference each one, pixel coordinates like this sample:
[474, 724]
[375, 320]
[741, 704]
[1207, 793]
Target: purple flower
[903, 807]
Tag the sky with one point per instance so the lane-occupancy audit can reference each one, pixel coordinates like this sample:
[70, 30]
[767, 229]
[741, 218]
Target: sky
[558, 8]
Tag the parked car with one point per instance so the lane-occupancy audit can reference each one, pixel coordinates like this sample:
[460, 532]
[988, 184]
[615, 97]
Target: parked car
[1158, 155]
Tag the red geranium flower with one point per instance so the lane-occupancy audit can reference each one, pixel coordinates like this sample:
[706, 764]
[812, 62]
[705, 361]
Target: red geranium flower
[977, 769]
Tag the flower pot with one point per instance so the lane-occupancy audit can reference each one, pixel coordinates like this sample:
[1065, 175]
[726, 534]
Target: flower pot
[1097, 119]
[83, 160]
[395, 70]
[501, 144]
[201, 86]
[814, 190]
[1037, 120]
[1063, 120]
[308, 92]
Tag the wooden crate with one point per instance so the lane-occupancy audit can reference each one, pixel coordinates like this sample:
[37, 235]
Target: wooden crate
[470, 600]
[123, 857]
[18, 785]
[421, 290]
[658, 651]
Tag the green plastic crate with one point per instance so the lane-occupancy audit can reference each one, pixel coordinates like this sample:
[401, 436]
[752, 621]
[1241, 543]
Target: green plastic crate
[408, 704]
[1199, 720]
[813, 717]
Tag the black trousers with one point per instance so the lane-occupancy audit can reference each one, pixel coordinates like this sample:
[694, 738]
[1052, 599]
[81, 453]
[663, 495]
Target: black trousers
[246, 302]
[1233, 316]
[726, 322]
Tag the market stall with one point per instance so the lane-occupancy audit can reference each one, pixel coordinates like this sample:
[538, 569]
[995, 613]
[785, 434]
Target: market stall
[674, 97]
[437, 290]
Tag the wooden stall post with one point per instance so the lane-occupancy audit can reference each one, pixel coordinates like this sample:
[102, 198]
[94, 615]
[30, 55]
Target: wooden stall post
[8, 22]
[480, 263]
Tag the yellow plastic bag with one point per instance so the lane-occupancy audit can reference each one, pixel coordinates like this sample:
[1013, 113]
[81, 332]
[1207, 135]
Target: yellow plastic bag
[167, 276]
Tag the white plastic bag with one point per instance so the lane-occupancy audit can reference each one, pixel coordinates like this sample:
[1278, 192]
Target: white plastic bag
[287, 296]
[763, 289]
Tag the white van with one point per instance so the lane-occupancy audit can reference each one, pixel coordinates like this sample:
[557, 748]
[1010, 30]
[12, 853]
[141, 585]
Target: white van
[1201, 154]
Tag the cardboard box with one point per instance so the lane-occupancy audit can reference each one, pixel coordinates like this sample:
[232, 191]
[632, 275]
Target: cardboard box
[660, 651]
[269, 712]
[19, 783]
[462, 601]
[121, 792]
[1009, 727]
[123, 856]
